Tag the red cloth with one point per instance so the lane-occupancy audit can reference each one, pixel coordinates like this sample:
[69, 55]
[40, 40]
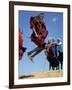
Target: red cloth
[20, 45]
[20, 39]
[40, 29]
[20, 54]
[38, 41]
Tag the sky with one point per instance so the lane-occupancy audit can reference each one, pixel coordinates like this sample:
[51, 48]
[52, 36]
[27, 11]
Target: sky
[54, 25]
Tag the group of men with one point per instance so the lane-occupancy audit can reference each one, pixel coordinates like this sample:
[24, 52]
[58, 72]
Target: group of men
[39, 33]
[54, 54]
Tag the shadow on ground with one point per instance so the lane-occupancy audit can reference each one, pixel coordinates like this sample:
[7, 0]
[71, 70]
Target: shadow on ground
[26, 76]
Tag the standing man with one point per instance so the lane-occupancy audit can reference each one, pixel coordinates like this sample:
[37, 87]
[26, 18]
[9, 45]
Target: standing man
[60, 52]
[21, 48]
[51, 54]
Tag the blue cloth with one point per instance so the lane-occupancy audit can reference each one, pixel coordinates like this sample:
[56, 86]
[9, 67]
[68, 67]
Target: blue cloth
[59, 49]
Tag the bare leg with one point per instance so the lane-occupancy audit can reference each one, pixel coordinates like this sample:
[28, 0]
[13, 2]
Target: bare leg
[34, 52]
[37, 51]
[49, 66]
[61, 65]
[57, 68]
[53, 67]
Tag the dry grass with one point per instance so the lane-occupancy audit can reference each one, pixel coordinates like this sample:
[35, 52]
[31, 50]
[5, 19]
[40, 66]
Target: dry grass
[48, 74]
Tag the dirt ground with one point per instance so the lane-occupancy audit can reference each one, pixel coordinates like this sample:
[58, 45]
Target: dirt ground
[48, 74]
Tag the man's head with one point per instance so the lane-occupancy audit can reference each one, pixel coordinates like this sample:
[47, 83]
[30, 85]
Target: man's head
[49, 41]
[59, 42]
